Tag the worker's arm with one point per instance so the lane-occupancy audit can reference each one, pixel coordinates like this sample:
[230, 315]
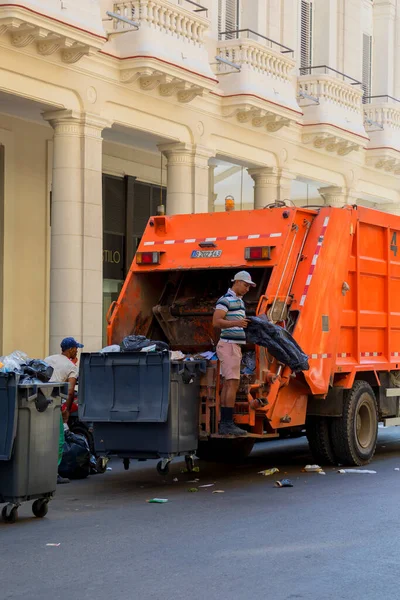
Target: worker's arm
[220, 322]
[71, 392]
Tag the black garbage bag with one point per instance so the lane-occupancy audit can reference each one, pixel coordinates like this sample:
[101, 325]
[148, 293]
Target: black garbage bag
[76, 458]
[279, 342]
[38, 369]
[135, 343]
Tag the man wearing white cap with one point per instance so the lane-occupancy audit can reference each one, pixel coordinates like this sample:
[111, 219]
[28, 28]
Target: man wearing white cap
[230, 317]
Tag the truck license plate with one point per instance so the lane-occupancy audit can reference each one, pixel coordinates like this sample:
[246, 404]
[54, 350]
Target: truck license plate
[206, 253]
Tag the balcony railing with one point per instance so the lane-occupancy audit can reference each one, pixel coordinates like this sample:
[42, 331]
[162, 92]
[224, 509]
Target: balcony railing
[255, 57]
[332, 86]
[249, 34]
[199, 7]
[325, 70]
[172, 19]
[385, 113]
[382, 98]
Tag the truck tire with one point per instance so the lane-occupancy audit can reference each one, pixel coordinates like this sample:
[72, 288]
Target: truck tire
[354, 434]
[225, 450]
[319, 440]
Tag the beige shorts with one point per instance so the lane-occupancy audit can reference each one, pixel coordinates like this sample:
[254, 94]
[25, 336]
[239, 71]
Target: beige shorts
[230, 356]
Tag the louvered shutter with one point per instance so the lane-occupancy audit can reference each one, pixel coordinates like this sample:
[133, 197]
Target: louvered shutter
[306, 35]
[366, 66]
[228, 18]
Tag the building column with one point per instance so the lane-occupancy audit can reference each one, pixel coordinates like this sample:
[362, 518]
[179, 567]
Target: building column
[270, 185]
[76, 271]
[187, 178]
[384, 46]
[212, 196]
[335, 196]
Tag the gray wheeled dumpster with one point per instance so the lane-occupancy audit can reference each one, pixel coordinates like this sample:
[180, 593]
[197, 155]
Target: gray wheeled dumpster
[142, 405]
[29, 437]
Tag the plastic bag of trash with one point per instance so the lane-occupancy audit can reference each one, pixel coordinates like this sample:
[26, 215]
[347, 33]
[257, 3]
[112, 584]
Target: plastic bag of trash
[38, 369]
[280, 344]
[28, 380]
[249, 362]
[136, 343]
[14, 362]
[112, 348]
[76, 458]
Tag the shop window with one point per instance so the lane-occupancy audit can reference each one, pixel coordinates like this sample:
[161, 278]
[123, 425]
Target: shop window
[127, 206]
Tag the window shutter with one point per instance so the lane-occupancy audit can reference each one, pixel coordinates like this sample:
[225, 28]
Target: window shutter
[228, 18]
[306, 35]
[366, 66]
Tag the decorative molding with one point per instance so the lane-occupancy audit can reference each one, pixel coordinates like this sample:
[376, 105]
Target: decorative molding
[331, 143]
[384, 162]
[50, 36]
[246, 113]
[168, 85]
[74, 53]
[73, 123]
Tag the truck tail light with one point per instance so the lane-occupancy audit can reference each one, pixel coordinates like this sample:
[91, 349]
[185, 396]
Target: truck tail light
[258, 253]
[148, 258]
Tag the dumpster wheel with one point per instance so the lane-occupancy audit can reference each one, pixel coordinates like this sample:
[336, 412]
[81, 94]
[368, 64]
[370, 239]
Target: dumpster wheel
[225, 450]
[319, 440]
[40, 508]
[9, 513]
[355, 433]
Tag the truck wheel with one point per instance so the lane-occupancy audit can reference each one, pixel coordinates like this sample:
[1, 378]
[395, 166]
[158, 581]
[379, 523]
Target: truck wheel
[318, 436]
[354, 434]
[225, 450]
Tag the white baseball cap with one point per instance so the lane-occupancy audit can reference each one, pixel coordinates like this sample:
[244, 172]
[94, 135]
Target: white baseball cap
[244, 276]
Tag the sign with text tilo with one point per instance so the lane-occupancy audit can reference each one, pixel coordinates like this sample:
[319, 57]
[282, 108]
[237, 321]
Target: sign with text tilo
[113, 256]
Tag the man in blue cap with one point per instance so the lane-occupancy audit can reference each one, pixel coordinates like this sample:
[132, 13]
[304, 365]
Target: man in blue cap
[65, 371]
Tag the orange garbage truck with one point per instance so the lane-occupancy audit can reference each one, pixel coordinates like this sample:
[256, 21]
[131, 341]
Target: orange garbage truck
[329, 276]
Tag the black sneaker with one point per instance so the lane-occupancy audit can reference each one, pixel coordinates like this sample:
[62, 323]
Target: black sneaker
[62, 479]
[229, 428]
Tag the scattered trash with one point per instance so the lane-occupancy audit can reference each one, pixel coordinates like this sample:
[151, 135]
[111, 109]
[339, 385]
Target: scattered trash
[209, 355]
[136, 343]
[194, 470]
[313, 469]
[283, 483]
[268, 472]
[207, 485]
[157, 501]
[175, 479]
[56, 545]
[193, 489]
[342, 471]
[112, 348]
[109, 468]
[321, 472]
[397, 469]
[176, 355]
[193, 480]
[218, 491]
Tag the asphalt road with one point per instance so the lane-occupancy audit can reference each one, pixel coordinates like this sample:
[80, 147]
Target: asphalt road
[328, 537]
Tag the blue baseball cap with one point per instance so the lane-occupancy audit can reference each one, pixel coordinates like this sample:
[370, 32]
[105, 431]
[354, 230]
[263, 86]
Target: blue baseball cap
[69, 343]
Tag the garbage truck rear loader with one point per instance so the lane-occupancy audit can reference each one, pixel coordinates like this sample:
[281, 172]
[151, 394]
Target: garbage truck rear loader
[330, 277]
